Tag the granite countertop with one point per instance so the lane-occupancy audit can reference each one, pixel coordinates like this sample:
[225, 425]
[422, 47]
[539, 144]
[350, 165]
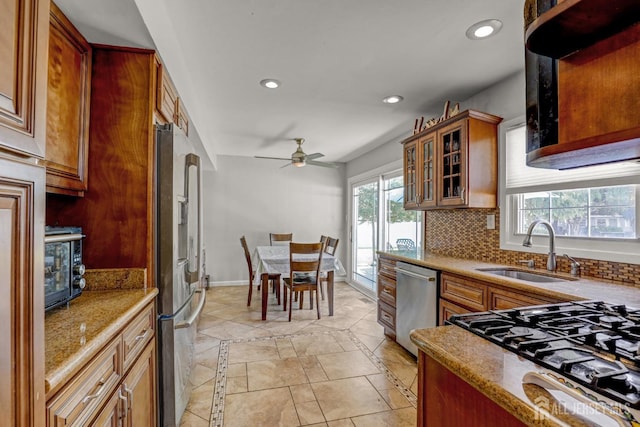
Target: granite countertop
[75, 334]
[582, 288]
[495, 372]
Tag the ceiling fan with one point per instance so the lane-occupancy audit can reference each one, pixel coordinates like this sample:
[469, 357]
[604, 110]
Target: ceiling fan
[299, 158]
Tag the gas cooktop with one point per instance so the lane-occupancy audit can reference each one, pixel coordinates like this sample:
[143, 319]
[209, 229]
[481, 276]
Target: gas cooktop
[592, 343]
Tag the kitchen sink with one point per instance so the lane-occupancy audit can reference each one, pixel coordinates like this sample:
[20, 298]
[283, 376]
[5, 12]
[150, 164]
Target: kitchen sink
[527, 276]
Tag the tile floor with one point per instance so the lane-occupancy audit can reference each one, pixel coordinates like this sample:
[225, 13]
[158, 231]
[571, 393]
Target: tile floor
[336, 371]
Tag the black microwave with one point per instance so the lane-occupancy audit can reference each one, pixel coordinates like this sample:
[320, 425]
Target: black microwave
[63, 267]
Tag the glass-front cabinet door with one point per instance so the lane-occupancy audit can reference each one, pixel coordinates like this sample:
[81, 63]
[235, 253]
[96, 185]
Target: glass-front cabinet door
[452, 176]
[427, 176]
[411, 175]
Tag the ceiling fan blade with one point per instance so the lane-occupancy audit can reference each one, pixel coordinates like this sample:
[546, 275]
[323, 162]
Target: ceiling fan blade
[288, 164]
[273, 158]
[323, 164]
[314, 156]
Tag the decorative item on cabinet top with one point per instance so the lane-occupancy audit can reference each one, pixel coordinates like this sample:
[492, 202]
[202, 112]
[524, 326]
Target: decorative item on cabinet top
[420, 124]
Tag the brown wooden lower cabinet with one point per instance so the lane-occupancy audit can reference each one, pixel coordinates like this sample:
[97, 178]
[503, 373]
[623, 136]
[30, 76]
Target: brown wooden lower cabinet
[460, 294]
[448, 309]
[113, 389]
[445, 400]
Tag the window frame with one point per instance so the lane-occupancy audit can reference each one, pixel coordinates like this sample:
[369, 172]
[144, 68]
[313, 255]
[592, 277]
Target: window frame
[604, 249]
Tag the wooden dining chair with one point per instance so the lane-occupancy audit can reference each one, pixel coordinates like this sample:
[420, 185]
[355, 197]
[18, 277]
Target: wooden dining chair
[304, 272]
[330, 247]
[274, 278]
[280, 238]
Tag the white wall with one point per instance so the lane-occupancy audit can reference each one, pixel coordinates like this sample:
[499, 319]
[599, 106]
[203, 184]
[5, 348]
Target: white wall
[253, 197]
[505, 99]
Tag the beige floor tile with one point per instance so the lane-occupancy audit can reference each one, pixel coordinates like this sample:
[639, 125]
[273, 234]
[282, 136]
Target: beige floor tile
[226, 317]
[340, 423]
[406, 417]
[313, 369]
[309, 345]
[201, 374]
[302, 393]
[371, 342]
[368, 327]
[309, 413]
[237, 370]
[349, 397]
[236, 385]
[347, 364]
[414, 386]
[394, 398]
[275, 373]
[253, 351]
[200, 401]
[260, 408]
[380, 381]
[192, 420]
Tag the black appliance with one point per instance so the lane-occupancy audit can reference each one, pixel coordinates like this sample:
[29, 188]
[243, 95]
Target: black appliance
[593, 347]
[63, 268]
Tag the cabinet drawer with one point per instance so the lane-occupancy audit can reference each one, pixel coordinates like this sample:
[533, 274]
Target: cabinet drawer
[502, 299]
[387, 290]
[387, 315]
[136, 336]
[469, 294]
[387, 267]
[81, 398]
[448, 309]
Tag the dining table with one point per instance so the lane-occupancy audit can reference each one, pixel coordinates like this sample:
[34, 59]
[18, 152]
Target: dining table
[275, 260]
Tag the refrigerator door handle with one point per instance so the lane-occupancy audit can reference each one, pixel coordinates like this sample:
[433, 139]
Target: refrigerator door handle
[188, 322]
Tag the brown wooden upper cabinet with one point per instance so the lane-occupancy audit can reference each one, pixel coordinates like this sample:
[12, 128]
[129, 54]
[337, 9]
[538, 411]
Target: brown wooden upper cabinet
[182, 119]
[583, 82]
[453, 164]
[166, 95]
[68, 107]
[24, 29]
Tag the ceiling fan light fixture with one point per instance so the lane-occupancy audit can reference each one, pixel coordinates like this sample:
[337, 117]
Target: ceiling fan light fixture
[270, 83]
[483, 29]
[298, 163]
[393, 99]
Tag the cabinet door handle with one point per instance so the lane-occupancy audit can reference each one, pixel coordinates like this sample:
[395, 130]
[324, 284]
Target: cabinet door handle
[126, 404]
[98, 392]
[130, 395]
[142, 335]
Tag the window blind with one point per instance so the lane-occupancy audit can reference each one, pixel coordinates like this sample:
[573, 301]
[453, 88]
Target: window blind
[522, 178]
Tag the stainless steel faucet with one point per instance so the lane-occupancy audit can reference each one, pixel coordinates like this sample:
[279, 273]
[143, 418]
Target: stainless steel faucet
[551, 260]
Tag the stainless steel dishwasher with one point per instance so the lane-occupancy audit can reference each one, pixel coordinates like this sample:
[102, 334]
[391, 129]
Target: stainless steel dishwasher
[416, 301]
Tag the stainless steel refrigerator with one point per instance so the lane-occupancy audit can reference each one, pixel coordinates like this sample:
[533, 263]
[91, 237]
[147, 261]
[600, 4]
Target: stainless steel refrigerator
[178, 259]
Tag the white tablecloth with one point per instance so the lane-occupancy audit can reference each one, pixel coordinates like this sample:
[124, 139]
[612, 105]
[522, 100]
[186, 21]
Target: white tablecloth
[275, 259]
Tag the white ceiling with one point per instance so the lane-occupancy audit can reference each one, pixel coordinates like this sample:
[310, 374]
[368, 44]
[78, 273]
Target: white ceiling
[336, 60]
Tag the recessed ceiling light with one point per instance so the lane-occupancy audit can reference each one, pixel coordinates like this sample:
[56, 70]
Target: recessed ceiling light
[270, 83]
[484, 29]
[393, 99]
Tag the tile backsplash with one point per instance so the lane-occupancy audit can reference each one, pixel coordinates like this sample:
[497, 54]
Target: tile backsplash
[462, 233]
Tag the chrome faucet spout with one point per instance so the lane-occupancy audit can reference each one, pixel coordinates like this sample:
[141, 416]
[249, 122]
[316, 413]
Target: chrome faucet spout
[551, 260]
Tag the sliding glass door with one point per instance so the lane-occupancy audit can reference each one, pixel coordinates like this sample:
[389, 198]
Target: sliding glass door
[365, 233]
[379, 222]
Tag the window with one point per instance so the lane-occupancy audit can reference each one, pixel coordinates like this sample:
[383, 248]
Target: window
[592, 209]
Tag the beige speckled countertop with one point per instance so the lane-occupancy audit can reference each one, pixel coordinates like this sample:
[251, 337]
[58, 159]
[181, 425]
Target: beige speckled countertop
[495, 372]
[75, 334]
[583, 288]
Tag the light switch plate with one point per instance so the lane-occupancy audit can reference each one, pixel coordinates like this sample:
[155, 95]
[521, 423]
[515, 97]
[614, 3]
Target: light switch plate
[491, 222]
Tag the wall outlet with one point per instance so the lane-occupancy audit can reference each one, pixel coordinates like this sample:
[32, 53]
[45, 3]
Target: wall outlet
[491, 222]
